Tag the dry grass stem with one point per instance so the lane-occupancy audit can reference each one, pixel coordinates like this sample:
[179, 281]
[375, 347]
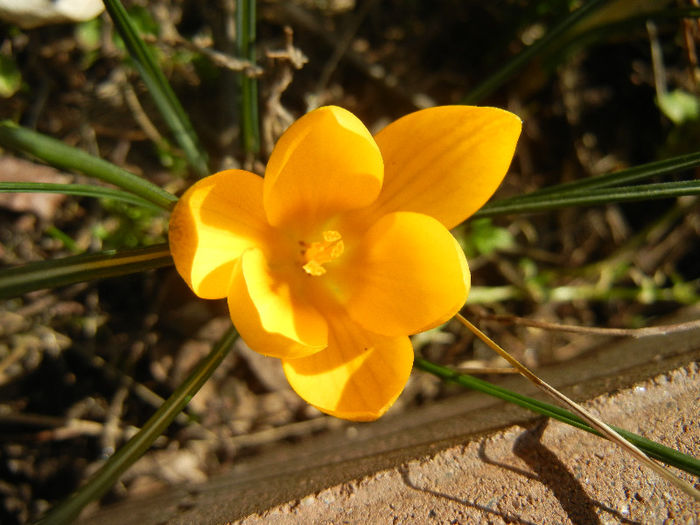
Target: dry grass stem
[592, 420]
[218, 58]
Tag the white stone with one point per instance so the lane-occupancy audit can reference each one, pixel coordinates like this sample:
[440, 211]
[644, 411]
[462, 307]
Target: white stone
[34, 13]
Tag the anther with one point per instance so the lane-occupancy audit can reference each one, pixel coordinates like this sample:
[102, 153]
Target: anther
[320, 252]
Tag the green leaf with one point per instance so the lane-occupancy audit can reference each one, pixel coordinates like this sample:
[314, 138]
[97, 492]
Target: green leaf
[245, 40]
[524, 57]
[127, 226]
[485, 238]
[100, 482]
[591, 21]
[88, 34]
[621, 18]
[142, 20]
[85, 267]
[65, 239]
[10, 76]
[679, 106]
[618, 178]
[144, 24]
[594, 197]
[159, 88]
[652, 449]
[82, 190]
[66, 157]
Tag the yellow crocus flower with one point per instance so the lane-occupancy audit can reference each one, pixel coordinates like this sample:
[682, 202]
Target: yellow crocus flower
[342, 250]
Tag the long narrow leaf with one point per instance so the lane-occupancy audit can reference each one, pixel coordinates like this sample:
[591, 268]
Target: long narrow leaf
[159, 88]
[79, 268]
[651, 448]
[593, 197]
[116, 465]
[66, 157]
[523, 58]
[519, 61]
[245, 40]
[618, 178]
[81, 190]
[624, 26]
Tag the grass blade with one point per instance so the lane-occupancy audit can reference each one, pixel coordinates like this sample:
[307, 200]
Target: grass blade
[79, 268]
[159, 88]
[626, 25]
[651, 448]
[81, 190]
[115, 466]
[618, 178]
[66, 157]
[594, 197]
[245, 42]
[519, 61]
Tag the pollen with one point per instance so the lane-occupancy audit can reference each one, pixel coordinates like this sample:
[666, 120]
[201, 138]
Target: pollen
[319, 253]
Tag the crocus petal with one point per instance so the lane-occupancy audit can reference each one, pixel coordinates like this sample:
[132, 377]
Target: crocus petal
[212, 224]
[357, 377]
[407, 274]
[270, 313]
[445, 161]
[325, 163]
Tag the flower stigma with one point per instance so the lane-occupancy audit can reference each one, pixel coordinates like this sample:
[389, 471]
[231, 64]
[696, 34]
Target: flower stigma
[318, 253]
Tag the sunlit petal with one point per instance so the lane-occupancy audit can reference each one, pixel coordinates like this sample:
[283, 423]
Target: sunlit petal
[359, 375]
[325, 163]
[212, 224]
[343, 250]
[407, 273]
[445, 161]
[270, 313]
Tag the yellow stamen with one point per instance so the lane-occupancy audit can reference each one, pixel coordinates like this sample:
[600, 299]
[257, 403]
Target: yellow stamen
[318, 253]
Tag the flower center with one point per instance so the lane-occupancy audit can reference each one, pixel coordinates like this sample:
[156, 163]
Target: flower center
[318, 253]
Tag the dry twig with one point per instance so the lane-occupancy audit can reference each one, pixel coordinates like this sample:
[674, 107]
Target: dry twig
[593, 330]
